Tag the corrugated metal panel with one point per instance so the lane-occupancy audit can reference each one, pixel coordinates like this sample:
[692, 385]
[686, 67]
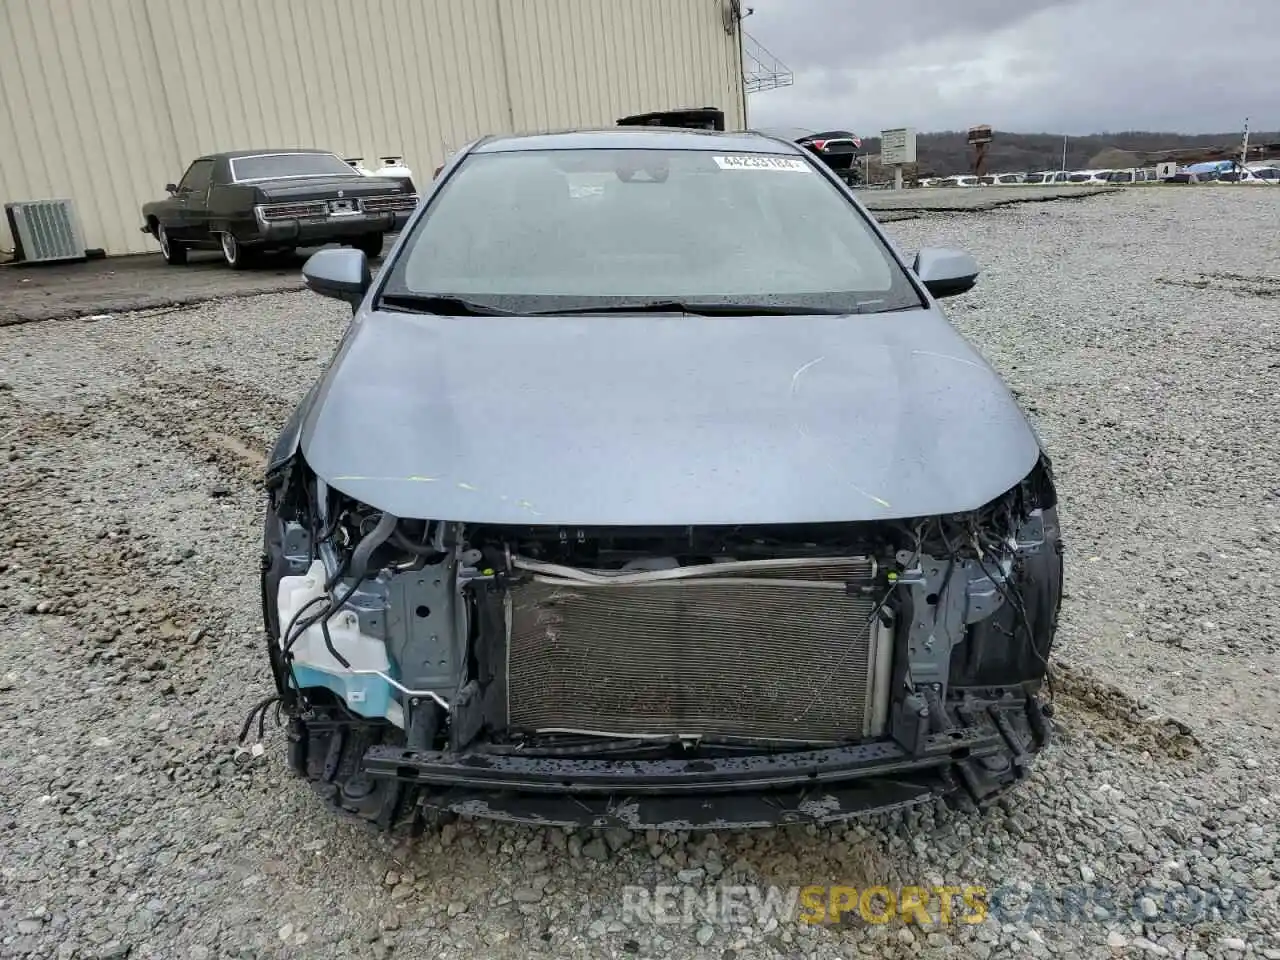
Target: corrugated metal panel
[83, 112]
[106, 101]
[587, 62]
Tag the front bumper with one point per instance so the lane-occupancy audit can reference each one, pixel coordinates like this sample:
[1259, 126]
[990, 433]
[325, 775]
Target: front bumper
[985, 750]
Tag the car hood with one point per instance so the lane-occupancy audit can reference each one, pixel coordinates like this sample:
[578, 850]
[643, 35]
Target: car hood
[664, 420]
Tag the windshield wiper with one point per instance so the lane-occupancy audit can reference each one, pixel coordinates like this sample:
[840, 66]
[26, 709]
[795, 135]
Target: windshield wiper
[696, 309]
[442, 306]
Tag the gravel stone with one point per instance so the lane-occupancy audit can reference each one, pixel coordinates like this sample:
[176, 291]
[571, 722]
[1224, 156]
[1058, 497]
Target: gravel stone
[1141, 331]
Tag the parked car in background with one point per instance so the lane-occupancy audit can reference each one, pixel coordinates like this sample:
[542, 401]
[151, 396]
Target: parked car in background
[1046, 177]
[1001, 179]
[959, 180]
[1091, 178]
[1211, 170]
[1249, 177]
[838, 149]
[255, 201]
[389, 167]
[806, 609]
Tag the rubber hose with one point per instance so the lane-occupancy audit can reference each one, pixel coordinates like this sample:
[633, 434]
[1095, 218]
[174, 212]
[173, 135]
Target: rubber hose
[370, 542]
[404, 543]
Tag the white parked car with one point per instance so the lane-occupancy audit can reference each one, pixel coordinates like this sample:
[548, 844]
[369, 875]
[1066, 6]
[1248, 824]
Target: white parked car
[388, 167]
[1002, 179]
[1090, 178]
[1253, 177]
[1132, 175]
[1046, 178]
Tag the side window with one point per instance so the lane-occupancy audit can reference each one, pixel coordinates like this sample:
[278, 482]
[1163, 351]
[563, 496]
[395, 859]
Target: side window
[196, 179]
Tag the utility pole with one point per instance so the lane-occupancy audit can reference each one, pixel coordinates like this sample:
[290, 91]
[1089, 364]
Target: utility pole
[1064, 153]
[1244, 145]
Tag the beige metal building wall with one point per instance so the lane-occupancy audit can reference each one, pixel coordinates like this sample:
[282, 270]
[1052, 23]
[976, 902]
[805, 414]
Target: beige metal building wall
[105, 101]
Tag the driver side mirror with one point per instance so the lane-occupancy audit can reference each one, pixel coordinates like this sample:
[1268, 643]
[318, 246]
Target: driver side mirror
[945, 272]
[342, 274]
[171, 188]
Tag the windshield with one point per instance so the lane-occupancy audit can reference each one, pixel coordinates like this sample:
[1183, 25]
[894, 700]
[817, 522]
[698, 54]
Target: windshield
[279, 166]
[538, 231]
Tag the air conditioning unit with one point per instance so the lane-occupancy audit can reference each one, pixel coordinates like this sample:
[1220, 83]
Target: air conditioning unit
[45, 230]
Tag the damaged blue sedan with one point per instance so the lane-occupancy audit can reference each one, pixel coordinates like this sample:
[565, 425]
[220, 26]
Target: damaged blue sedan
[650, 487]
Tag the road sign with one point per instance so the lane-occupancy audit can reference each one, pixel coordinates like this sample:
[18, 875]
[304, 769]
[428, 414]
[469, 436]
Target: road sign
[897, 147]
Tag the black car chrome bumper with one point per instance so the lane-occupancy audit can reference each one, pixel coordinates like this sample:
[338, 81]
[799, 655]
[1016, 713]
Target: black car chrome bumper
[976, 761]
[308, 233]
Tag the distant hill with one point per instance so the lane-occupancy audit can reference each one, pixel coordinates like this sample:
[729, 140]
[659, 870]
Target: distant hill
[947, 152]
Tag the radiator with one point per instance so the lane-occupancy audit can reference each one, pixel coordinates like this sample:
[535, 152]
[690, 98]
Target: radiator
[45, 230]
[778, 650]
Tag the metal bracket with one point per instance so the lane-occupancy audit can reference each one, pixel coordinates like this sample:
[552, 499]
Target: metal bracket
[946, 596]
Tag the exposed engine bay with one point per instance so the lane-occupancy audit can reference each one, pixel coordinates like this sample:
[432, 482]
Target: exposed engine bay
[554, 641]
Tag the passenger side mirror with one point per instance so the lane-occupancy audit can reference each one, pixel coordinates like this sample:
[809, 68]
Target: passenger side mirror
[171, 188]
[342, 274]
[945, 272]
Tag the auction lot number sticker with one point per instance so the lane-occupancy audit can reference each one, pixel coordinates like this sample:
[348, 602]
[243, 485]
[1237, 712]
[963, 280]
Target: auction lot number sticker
[760, 162]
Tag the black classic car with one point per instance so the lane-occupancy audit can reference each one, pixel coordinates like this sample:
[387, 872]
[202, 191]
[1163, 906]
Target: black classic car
[256, 201]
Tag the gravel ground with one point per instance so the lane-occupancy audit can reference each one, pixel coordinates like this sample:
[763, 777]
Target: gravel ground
[972, 199]
[1142, 329]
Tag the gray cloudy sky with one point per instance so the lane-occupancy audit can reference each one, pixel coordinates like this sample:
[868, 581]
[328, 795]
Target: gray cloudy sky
[1072, 66]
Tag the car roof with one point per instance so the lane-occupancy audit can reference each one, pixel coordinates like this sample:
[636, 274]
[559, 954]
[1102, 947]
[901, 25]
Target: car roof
[265, 151]
[639, 138]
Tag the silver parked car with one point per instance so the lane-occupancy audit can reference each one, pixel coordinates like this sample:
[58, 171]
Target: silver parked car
[650, 486]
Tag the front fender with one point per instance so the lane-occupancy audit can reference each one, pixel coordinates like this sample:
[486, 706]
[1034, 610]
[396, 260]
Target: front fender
[290, 437]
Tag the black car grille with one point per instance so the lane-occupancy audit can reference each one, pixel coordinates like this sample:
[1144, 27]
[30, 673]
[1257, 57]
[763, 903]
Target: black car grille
[779, 651]
[391, 203]
[294, 211]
